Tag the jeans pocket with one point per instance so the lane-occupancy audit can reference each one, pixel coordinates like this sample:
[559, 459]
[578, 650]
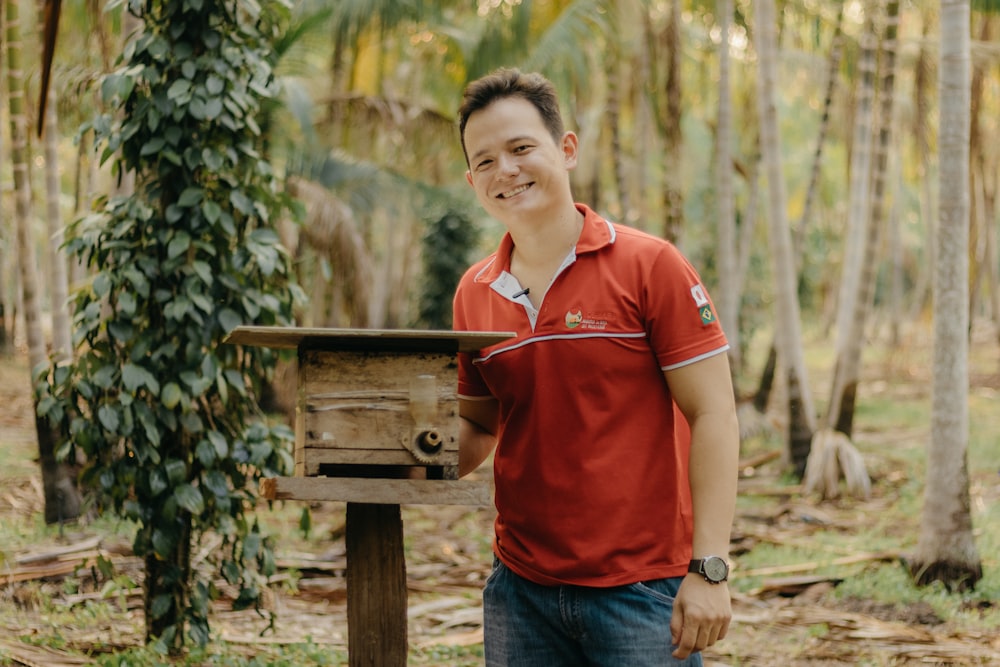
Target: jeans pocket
[664, 590]
[494, 572]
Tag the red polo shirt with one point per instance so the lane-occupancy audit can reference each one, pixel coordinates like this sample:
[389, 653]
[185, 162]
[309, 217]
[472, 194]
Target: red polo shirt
[591, 468]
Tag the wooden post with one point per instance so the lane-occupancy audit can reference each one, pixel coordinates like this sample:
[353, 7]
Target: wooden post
[376, 586]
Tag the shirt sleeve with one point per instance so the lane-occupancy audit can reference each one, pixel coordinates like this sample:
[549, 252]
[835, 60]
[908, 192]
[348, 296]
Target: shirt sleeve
[681, 320]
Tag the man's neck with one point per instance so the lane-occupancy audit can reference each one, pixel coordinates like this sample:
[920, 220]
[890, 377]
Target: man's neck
[540, 242]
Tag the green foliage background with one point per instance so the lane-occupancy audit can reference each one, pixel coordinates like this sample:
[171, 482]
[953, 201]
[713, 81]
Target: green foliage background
[162, 412]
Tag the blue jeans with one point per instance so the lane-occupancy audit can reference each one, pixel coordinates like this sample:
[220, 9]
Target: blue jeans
[528, 625]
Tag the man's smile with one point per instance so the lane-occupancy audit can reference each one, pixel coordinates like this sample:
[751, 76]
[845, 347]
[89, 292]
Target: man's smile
[513, 193]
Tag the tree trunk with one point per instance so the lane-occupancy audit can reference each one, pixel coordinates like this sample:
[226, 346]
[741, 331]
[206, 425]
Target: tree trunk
[983, 179]
[62, 344]
[613, 123]
[788, 328]
[946, 550]
[729, 292]
[832, 69]
[860, 182]
[673, 198]
[161, 577]
[62, 499]
[921, 134]
[847, 372]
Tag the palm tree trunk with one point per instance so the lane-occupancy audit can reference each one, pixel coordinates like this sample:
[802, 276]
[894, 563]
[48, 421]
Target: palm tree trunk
[983, 178]
[613, 120]
[847, 371]
[832, 69]
[62, 500]
[788, 328]
[729, 290]
[673, 199]
[921, 133]
[946, 549]
[860, 181]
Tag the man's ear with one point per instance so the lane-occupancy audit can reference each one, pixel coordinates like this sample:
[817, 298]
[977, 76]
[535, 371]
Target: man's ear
[570, 147]
[468, 177]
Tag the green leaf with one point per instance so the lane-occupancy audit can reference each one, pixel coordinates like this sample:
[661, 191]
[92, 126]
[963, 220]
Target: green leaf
[213, 107]
[190, 197]
[219, 442]
[179, 90]
[178, 245]
[171, 395]
[190, 499]
[122, 331]
[305, 522]
[176, 471]
[214, 161]
[127, 303]
[101, 285]
[212, 211]
[161, 605]
[204, 271]
[235, 380]
[104, 376]
[153, 146]
[205, 453]
[134, 376]
[197, 108]
[158, 482]
[242, 203]
[216, 482]
[215, 84]
[251, 546]
[108, 417]
[229, 319]
[163, 543]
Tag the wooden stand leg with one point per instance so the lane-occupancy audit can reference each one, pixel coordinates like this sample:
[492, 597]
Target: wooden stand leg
[376, 586]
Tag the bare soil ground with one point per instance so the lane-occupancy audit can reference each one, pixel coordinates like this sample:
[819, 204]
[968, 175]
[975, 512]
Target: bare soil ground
[791, 619]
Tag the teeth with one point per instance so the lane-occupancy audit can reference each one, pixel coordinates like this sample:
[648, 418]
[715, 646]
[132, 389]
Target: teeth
[515, 191]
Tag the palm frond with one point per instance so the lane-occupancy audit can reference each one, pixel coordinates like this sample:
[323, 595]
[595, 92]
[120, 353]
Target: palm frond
[557, 51]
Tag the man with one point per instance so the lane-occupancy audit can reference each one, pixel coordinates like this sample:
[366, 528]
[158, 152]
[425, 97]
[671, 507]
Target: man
[611, 411]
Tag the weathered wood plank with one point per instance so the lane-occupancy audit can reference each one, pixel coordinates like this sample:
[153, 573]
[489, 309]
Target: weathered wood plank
[365, 339]
[376, 586]
[378, 491]
[352, 401]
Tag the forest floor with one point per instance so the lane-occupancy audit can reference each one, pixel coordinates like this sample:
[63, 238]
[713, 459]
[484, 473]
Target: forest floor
[819, 583]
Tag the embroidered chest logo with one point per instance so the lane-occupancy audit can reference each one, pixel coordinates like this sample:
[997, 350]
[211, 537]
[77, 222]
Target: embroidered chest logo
[703, 304]
[596, 320]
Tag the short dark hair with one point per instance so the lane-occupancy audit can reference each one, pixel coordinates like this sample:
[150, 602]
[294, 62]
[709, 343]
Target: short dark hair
[511, 82]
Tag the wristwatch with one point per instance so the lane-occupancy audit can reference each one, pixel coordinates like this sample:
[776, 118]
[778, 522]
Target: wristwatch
[713, 568]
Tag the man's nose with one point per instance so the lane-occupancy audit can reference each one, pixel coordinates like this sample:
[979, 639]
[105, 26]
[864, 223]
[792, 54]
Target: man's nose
[508, 165]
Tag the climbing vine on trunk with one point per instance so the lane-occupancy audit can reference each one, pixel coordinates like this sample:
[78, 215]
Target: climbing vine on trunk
[165, 414]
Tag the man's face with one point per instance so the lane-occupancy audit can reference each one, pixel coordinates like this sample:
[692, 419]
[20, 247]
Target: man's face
[515, 166]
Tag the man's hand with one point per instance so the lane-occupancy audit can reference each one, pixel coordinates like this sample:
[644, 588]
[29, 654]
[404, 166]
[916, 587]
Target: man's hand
[701, 616]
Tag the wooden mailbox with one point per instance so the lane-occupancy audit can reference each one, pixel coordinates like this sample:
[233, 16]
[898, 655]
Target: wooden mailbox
[376, 426]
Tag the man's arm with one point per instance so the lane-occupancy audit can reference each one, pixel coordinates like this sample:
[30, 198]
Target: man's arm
[704, 393]
[476, 433]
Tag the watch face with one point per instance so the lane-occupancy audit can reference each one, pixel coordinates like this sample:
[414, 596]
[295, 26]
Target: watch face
[715, 569]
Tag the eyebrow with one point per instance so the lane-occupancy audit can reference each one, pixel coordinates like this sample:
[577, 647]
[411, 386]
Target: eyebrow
[512, 140]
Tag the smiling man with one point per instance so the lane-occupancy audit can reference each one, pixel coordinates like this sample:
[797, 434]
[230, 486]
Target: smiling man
[611, 411]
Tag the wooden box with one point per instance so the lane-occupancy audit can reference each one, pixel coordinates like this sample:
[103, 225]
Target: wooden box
[374, 403]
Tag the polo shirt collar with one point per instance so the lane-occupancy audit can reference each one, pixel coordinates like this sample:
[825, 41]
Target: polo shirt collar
[596, 234]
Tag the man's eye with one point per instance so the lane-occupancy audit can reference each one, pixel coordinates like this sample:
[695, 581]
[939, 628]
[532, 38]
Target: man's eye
[521, 149]
[483, 164]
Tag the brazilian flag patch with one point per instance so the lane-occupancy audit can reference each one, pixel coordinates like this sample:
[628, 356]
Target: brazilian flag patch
[707, 315]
